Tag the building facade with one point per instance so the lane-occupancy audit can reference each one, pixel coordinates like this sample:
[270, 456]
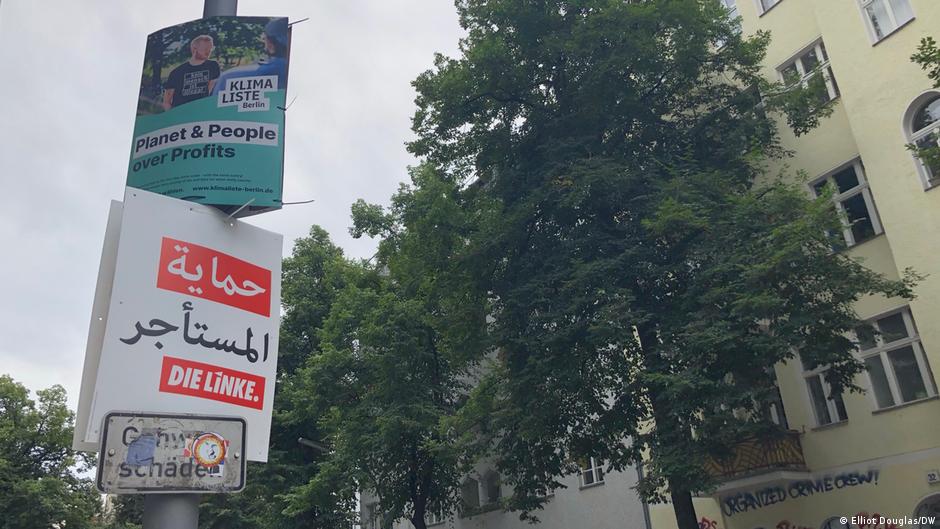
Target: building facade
[593, 499]
[853, 459]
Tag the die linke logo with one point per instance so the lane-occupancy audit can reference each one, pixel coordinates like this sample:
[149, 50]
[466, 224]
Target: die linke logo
[198, 271]
[206, 381]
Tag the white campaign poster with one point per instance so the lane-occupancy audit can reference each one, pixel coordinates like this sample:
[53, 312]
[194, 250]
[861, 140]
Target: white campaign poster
[192, 325]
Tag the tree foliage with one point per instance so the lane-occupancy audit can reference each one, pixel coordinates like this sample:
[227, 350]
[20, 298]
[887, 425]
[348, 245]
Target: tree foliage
[642, 269]
[391, 374]
[928, 57]
[280, 493]
[40, 485]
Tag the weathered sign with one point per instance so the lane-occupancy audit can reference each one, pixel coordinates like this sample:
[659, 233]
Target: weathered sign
[152, 453]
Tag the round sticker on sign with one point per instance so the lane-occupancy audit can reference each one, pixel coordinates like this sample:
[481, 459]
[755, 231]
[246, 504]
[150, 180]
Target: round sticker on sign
[208, 449]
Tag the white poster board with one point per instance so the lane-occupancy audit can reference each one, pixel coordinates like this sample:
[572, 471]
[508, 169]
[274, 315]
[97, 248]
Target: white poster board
[99, 313]
[193, 320]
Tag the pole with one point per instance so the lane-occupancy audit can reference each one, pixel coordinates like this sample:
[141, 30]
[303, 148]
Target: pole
[181, 511]
[646, 506]
[171, 511]
[225, 8]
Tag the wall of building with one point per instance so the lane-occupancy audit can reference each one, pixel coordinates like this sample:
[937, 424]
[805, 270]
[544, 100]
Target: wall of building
[892, 487]
[877, 84]
[707, 510]
[611, 504]
[900, 446]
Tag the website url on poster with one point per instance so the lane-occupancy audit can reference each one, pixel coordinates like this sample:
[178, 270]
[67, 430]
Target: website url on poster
[863, 522]
[234, 188]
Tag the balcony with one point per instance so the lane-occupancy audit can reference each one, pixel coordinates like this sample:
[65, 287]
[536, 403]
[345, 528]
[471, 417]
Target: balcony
[754, 456]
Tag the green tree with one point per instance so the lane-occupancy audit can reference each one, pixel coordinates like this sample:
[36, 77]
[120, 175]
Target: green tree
[392, 371]
[127, 512]
[279, 494]
[642, 269]
[40, 485]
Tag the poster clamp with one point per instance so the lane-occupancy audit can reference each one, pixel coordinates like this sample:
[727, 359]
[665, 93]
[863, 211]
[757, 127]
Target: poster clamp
[243, 206]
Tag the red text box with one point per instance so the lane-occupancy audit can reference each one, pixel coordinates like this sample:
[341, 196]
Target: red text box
[205, 273]
[206, 381]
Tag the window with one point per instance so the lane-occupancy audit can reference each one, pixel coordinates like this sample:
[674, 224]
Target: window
[774, 412]
[807, 64]
[491, 489]
[470, 495]
[480, 494]
[885, 16]
[765, 5]
[828, 408]
[777, 413]
[853, 200]
[930, 508]
[592, 472]
[373, 517]
[894, 358]
[922, 123]
[732, 7]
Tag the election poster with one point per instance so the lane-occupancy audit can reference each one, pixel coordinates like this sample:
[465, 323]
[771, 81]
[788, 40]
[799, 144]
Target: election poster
[210, 116]
[192, 320]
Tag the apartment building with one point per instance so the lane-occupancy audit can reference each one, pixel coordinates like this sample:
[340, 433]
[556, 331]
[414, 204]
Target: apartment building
[592, 499]
[854, 456]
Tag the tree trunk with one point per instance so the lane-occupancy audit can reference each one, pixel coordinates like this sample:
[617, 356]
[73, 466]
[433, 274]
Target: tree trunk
[667, 426]
[683, 508]
[419, 523]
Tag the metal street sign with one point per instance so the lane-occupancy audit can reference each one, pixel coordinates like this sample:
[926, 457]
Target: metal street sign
[153, 453]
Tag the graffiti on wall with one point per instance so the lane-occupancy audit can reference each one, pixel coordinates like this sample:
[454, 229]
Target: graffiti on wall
[705, 523]
[787, 524]
[760, 498]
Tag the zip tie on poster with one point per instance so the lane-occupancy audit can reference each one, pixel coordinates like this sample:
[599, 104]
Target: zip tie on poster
[288, 105]
[290, 25]
[296, 203]
[232, 214]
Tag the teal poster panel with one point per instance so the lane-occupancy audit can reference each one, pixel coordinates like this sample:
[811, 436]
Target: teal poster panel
[210, 117]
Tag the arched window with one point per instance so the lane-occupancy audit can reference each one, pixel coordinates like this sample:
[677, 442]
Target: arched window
[929, 508]
[922, 124]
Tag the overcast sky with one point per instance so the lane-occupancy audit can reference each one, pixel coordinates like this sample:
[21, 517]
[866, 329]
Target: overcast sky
[68, 93]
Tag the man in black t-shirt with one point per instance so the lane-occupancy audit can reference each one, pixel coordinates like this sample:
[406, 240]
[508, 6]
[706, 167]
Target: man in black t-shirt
[194, 78]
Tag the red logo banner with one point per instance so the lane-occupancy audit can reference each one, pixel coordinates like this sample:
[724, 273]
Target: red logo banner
[205, 273]
[206, 381]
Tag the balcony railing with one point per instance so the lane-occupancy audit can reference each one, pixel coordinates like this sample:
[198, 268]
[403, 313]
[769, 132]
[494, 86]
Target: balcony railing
[754, 456]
